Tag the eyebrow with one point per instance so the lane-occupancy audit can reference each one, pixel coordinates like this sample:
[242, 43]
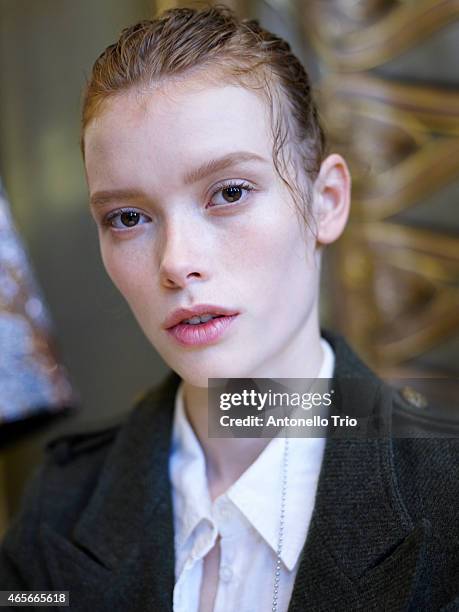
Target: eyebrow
[192, 176]
[222, 163]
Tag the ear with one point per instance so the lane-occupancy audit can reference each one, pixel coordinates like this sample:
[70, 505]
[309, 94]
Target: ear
[331, 198]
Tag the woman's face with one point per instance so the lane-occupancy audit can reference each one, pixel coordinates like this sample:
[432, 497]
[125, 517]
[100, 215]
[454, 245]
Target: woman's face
[227, 235]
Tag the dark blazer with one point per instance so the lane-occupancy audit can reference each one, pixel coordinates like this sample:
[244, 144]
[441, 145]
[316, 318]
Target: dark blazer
[97, 518]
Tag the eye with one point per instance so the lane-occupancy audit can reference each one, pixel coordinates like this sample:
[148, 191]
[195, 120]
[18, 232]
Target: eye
[124, 219]
[231, 193]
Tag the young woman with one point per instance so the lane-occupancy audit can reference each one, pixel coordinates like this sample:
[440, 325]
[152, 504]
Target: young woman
[214, 197]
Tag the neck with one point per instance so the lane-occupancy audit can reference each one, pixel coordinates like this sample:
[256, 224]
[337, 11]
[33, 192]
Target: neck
[228, 458]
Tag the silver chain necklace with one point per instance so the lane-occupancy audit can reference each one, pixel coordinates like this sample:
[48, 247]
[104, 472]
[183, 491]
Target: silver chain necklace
[281, 527]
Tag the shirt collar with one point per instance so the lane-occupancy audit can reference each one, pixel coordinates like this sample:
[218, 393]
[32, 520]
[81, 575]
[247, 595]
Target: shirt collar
[257, 488]
[262, 481]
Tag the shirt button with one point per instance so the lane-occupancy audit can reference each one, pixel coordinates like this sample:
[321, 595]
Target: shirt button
[226, 573]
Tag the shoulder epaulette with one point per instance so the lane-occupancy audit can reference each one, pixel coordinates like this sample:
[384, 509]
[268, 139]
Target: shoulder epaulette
[408, 396]
[421, 413]
[65, 447]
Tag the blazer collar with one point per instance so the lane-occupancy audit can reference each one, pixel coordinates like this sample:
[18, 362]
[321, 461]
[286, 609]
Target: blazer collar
[361, 543]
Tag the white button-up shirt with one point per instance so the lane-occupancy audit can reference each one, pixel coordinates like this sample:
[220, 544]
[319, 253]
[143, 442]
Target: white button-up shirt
[246, 516]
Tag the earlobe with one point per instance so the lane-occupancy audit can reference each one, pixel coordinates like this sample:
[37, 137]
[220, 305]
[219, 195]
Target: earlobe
[332, 195]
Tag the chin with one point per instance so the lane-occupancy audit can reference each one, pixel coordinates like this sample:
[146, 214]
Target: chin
[198, 375]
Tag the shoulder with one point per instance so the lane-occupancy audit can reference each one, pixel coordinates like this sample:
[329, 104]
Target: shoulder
[60, 487]
[84, 443]
[74, 458]
[426, 468]
[85, 448]
[56, 492]
[425, 448]
[73, 462]
[78, 454]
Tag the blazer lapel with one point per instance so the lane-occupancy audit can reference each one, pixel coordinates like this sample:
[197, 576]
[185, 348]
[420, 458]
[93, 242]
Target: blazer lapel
[359, 552]
[362, 551]
[122, 547]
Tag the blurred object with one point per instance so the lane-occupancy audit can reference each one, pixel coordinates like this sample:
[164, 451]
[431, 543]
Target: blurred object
[3, 504]
[47, 49]
[390, 100]
[356, 35]
[33, 384]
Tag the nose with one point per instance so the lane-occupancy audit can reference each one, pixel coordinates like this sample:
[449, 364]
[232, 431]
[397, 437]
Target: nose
[181, 260]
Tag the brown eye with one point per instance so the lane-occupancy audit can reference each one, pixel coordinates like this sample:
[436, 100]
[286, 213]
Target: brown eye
[129, 218]
[232, 193]
[124, 219]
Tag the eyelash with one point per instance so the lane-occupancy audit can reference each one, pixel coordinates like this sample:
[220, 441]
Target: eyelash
[240, 184]
[107, 221]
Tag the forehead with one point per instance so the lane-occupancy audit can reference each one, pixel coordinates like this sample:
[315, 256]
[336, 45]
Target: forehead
[176, 119]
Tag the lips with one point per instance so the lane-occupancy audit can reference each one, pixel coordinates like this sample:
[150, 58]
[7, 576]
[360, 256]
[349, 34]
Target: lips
[179, 315]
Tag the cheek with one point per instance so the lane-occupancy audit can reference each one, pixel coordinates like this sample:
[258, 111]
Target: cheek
[276, 251]
[284, 271]
[261, 239]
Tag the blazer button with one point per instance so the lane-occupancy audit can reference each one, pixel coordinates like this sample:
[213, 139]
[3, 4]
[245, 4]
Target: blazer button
[413, 397]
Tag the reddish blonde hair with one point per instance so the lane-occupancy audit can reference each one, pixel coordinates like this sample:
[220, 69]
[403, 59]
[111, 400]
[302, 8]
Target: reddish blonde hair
[215, 41]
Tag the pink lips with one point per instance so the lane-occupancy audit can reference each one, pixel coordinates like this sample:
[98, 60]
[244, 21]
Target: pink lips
[204, 333]
[199, 309]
